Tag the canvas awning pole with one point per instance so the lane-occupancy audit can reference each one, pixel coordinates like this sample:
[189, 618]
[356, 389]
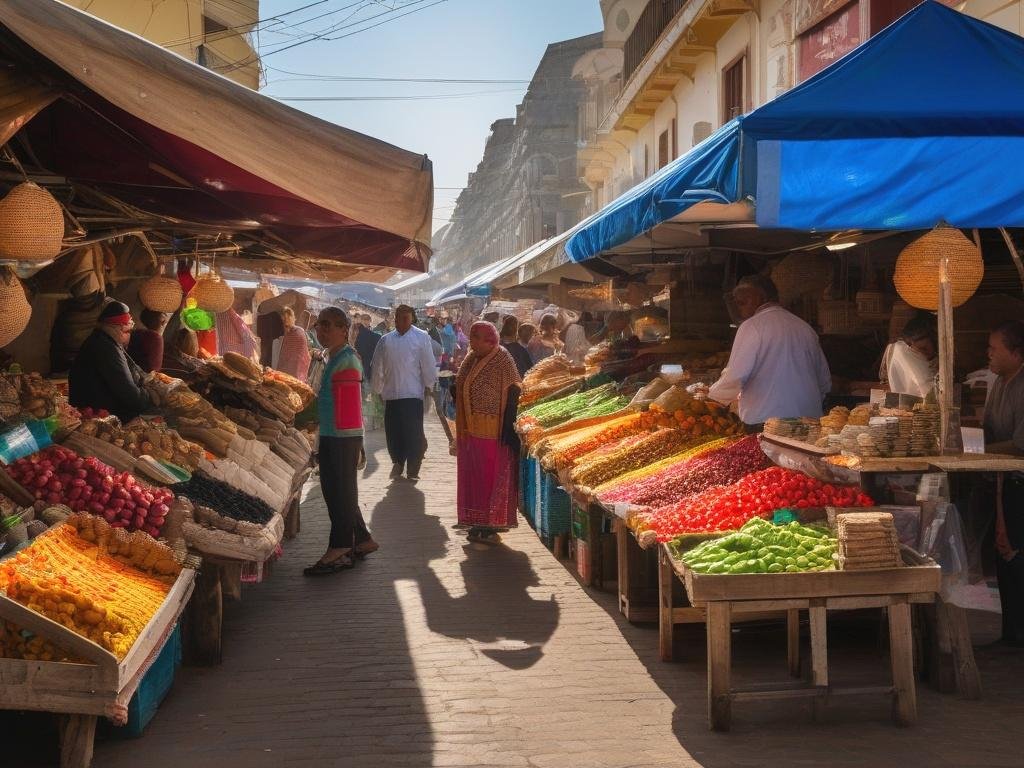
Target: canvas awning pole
[950, 441]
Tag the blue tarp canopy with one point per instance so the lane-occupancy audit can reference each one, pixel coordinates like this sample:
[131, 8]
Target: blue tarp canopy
[467, 286]
[923, 122]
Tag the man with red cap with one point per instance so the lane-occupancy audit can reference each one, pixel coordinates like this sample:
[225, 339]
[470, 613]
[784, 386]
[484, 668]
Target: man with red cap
[102, 375]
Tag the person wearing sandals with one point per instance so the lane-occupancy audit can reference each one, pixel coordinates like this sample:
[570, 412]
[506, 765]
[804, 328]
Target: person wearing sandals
[339, 406]
[486, 396]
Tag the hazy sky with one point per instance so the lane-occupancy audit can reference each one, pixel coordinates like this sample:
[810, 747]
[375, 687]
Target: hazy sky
[447, 39]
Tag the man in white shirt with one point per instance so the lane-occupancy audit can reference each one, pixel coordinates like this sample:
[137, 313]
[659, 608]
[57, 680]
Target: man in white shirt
[776, 367]
[404, 368]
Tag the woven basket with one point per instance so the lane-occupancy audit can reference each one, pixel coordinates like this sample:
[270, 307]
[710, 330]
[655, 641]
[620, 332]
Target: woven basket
[31, 224]
[917, 268]
[871, 305]
[838, 317]
[213, 294]
[161, 294]
[800, 274]
[15, 311]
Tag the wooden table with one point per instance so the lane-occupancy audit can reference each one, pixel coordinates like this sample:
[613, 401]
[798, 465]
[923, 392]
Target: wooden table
[725, 596]
[638, 591]
[83, 692]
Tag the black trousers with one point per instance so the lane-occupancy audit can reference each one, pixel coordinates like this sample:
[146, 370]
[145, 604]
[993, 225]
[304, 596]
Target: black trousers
[1011, 574]
[403, 428]
[338, 459]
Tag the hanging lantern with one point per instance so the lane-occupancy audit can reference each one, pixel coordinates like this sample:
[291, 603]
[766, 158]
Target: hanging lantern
[213, 294]
[15, 310]
[31, 224]
[161, 294]
[917, 268]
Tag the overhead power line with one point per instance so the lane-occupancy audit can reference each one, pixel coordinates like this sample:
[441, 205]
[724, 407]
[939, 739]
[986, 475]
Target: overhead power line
[300, 76]
[426, 97]
[325, 34]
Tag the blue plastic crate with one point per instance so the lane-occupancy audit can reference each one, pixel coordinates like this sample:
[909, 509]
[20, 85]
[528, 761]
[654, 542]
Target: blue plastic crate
[527, 488]
[153, 688]
[556, 508]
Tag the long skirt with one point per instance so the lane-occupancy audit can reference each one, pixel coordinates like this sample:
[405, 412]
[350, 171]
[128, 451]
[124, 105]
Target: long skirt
[488, 483]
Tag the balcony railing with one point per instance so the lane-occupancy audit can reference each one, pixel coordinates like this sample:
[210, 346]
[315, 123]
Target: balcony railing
[656, 16]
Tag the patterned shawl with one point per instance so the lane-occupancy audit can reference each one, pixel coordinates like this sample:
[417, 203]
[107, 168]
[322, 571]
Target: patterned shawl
[481, 390]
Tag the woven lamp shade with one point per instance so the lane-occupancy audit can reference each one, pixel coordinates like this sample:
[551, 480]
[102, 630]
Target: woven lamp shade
[161, 294]
[917, 268]
[15, 309]
[31, 224]
[213, 294]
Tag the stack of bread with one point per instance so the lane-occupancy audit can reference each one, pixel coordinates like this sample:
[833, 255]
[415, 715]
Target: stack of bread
[867, 541]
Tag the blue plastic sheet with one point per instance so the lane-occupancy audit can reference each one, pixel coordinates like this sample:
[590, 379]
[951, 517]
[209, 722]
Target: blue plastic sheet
[923, 122]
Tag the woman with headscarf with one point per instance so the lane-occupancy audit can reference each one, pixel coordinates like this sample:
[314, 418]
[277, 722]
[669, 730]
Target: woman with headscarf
[486, 395]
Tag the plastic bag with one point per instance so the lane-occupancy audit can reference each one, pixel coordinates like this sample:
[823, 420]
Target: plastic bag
[649, 392]
[942, 539]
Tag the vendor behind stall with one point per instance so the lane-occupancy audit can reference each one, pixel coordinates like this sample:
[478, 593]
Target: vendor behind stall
[776, 367]
[1004, 433]
[103, 376]
[910, 363]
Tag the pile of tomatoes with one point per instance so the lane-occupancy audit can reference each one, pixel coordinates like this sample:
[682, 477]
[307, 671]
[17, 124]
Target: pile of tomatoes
[728, 507]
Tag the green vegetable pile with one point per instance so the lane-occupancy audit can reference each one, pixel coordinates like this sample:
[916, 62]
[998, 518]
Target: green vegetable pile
[761, 547]
[581, 405]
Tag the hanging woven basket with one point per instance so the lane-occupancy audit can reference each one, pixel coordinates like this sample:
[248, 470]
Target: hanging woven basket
[15, 310]
[213, 294]
[917, 268]
[31, 224]
[161, 294]
[799, 274]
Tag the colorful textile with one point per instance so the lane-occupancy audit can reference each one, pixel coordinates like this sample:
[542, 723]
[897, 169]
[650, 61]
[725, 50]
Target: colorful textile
[488, 476]
[233, 335]
[339, 402]
[488, 483]
[294, 358]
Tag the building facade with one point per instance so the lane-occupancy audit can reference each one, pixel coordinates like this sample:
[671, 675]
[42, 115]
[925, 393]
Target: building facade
[671, 72]
[526, 187]
[214, 33]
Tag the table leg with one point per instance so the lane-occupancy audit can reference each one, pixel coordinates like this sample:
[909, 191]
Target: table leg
[793, 641]
[819, 657]
[902, 653]
[77, 733]
[719, 631]
[953, 619]
[621, 543]
[204, 616]
[666, 628]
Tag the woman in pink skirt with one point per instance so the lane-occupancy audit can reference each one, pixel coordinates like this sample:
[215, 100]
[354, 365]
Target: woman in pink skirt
[487, 394]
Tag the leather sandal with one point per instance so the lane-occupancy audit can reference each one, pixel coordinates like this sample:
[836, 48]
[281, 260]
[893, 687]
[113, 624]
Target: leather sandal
[321, 568]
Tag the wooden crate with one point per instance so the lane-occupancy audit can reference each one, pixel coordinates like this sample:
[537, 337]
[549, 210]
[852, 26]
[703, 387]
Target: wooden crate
[83, 692]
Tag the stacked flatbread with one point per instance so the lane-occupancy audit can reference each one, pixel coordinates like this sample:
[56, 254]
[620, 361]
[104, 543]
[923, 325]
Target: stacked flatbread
[867, 540]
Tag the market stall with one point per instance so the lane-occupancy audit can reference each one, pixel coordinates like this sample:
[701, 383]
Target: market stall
[112, 528]
[740, 204]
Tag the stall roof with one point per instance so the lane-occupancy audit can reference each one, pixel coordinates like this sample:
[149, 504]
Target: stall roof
[171, 138]
[915, 126]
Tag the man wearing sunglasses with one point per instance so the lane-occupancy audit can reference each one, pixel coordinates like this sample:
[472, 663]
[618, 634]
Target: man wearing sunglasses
[102, 375]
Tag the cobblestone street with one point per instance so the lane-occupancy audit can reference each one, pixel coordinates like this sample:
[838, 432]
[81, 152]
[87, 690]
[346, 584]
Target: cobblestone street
[435, 653]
